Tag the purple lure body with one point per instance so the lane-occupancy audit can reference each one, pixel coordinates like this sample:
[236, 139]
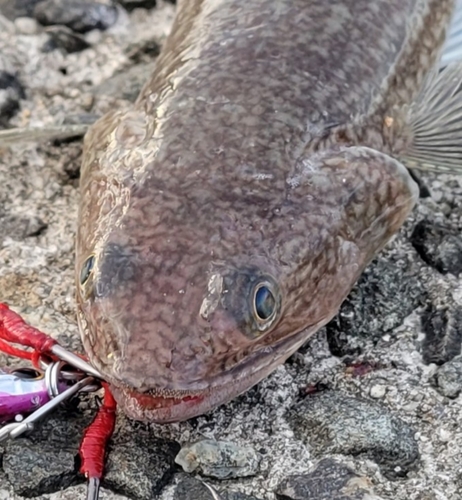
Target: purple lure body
[21, 394]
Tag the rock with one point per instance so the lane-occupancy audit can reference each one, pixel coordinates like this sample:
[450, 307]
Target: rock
[330, 480]
[11, 92]
[218, 459]
[448, 378]
[139, 465]
[63, 38]
[78, 15]
[190, 488]
[26, 25]
[136, 4]
[443, 333]
[439, 246]
[45, 461]
[378, 391]
[387, 292]
[12, 9]
[333, 422]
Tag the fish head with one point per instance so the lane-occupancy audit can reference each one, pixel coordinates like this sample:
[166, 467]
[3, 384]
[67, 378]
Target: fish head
[189, 296]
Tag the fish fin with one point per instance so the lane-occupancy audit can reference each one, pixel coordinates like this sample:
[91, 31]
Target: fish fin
[452, 49]
[32, 134]
[436, 123]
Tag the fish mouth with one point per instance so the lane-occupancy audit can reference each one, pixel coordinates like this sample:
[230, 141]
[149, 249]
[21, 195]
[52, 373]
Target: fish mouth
[157, 407]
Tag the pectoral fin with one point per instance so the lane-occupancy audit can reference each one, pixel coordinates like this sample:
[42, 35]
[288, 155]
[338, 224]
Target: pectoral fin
[436, 123]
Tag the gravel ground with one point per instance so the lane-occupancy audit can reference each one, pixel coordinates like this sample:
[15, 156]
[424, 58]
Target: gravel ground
[372, 404]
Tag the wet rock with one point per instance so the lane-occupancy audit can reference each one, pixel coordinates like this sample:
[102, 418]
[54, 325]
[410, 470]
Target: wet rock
[125, 85]
[330, 480]
[11, 92]
[443, 333]
[190, 488]
[45, 461]
[139, 465]
[448, 378]
[388, 291]
[333, 422]
[218, 459]
[12, 9]
[64, 39]
[136, 4]
[80, 16]
[440, 247]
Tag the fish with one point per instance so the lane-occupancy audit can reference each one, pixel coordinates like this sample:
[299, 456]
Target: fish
[225, 216]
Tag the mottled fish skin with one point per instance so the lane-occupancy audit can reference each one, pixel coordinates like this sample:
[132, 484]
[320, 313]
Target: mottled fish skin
[262, 150]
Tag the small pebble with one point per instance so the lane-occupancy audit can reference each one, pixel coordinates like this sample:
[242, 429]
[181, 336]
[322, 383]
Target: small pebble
[65, 39]
[26, 26]
[378, 391]
[13, 9]
[449, 378]
[78, 15]
[219, 459]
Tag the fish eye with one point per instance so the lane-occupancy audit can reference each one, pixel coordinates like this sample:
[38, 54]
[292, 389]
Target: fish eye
[264, 304]
[87, 269]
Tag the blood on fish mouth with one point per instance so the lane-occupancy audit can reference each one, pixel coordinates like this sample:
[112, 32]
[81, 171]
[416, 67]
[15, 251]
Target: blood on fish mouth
[152, 402]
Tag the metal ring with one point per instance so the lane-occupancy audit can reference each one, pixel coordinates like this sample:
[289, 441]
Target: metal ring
[52, 376]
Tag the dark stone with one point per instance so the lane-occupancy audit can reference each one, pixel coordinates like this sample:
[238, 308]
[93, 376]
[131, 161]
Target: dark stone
[388, 291]
[64, 39]
[79, 16]
[443, 333]
[440, 247]
[12, 9]
[190, 488]
[330, 480]
[139, 465]
[11, 92]
[332, 422]
[136, 4]
[448, 378]
[46, 460]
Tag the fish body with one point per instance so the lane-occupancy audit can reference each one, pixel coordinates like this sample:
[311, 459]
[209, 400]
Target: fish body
[227, 214]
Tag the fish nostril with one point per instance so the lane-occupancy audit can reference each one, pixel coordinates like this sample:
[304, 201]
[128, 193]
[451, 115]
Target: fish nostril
[117, 268]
